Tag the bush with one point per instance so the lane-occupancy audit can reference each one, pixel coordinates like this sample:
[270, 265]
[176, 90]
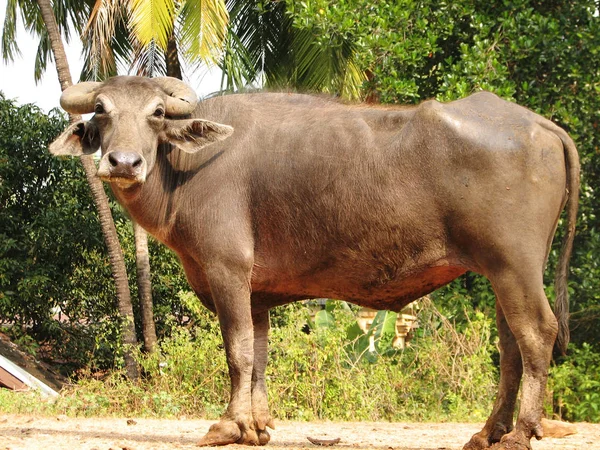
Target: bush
[542, 55]
[575, 387]
[443, 375]
[56, 288]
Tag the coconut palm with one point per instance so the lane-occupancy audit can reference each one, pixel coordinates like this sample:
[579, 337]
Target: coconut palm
[69, 15]
[142, 261]
[148, 37]
[259, 46]
[42, 18]
[265, 48]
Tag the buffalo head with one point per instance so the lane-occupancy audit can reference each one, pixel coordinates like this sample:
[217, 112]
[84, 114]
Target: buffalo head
[133, 115]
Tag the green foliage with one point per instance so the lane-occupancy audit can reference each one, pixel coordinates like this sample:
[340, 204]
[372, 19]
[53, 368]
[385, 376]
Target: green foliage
[443, 375]
[49, 236]
[414, 50]
[167, 278]
[265, 48]
[575, 386]
[70, 15]
[56, 289]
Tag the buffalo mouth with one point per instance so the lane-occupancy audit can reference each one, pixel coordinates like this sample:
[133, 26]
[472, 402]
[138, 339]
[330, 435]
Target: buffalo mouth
[120, 181]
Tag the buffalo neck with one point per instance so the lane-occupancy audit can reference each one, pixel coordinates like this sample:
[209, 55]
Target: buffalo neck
[151, 204]
[155, 203]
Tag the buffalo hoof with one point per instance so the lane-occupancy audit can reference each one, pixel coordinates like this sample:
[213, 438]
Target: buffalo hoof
[221, 433]
[483, 440]
[512, 441]
[262, 421]
[263, 437]
[477, 442]
[230, 432]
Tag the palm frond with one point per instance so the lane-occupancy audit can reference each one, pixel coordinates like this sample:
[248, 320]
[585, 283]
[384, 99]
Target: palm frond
[326, 68]
[237, 65]
[98, 36]
[148, 60]
[10, 49]
[151, 21]
[42, 55]
[122, 44]
[107, 42]
[70, 14]
[257, 38]
[264, 46]
[202, 30]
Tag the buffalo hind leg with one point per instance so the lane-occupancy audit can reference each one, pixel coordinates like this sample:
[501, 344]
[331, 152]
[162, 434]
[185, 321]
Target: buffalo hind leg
[500, 421]
[260, 405]
[230, 290]
[527, 312]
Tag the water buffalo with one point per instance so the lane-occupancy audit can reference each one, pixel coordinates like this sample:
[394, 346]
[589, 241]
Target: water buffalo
[274, 197]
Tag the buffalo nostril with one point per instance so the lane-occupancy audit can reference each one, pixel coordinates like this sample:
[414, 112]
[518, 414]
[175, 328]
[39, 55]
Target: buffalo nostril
[112, 160]
[125, 160]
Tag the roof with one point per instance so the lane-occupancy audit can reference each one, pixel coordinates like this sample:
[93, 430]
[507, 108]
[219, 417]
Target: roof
[14, 377]
[20, 371]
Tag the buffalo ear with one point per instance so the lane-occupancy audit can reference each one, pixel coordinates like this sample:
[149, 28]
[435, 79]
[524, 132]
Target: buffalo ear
[80, 138]
[193, 134]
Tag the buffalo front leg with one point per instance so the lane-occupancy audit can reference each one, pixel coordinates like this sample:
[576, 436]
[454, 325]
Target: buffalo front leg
[260, 405]
[500, 421]
[230, 290]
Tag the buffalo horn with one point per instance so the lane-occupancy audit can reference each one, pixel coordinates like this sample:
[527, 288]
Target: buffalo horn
[79, 98]
[182, 98]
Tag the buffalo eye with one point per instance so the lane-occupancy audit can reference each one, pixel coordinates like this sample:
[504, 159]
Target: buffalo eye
[159, 112]
[99, 109]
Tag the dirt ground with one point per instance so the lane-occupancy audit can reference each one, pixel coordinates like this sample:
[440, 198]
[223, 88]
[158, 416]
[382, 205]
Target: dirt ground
[57, 433]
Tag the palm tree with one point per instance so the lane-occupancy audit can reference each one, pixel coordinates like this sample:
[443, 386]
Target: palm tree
[50, 34]
[150, 36]
[142, 261]
[143, 35]
[264, 47]
[69, 15]
[259, 45]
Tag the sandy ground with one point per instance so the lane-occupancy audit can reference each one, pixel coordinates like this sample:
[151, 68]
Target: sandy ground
[30, 432]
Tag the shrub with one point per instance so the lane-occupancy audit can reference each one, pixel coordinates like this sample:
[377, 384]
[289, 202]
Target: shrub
[443, 375]
[575, 387]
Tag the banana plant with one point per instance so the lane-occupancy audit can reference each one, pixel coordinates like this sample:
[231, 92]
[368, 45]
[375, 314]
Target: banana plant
[369, 345]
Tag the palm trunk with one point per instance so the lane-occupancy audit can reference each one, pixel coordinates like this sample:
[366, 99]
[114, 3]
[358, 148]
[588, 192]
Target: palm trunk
[142, 260]
[141, 237]
[172, 59]
[107, 224]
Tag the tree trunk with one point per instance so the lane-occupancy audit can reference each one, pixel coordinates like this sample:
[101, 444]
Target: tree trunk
[172, 59]
[141, 237]
[107, 224]
[142, 260]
